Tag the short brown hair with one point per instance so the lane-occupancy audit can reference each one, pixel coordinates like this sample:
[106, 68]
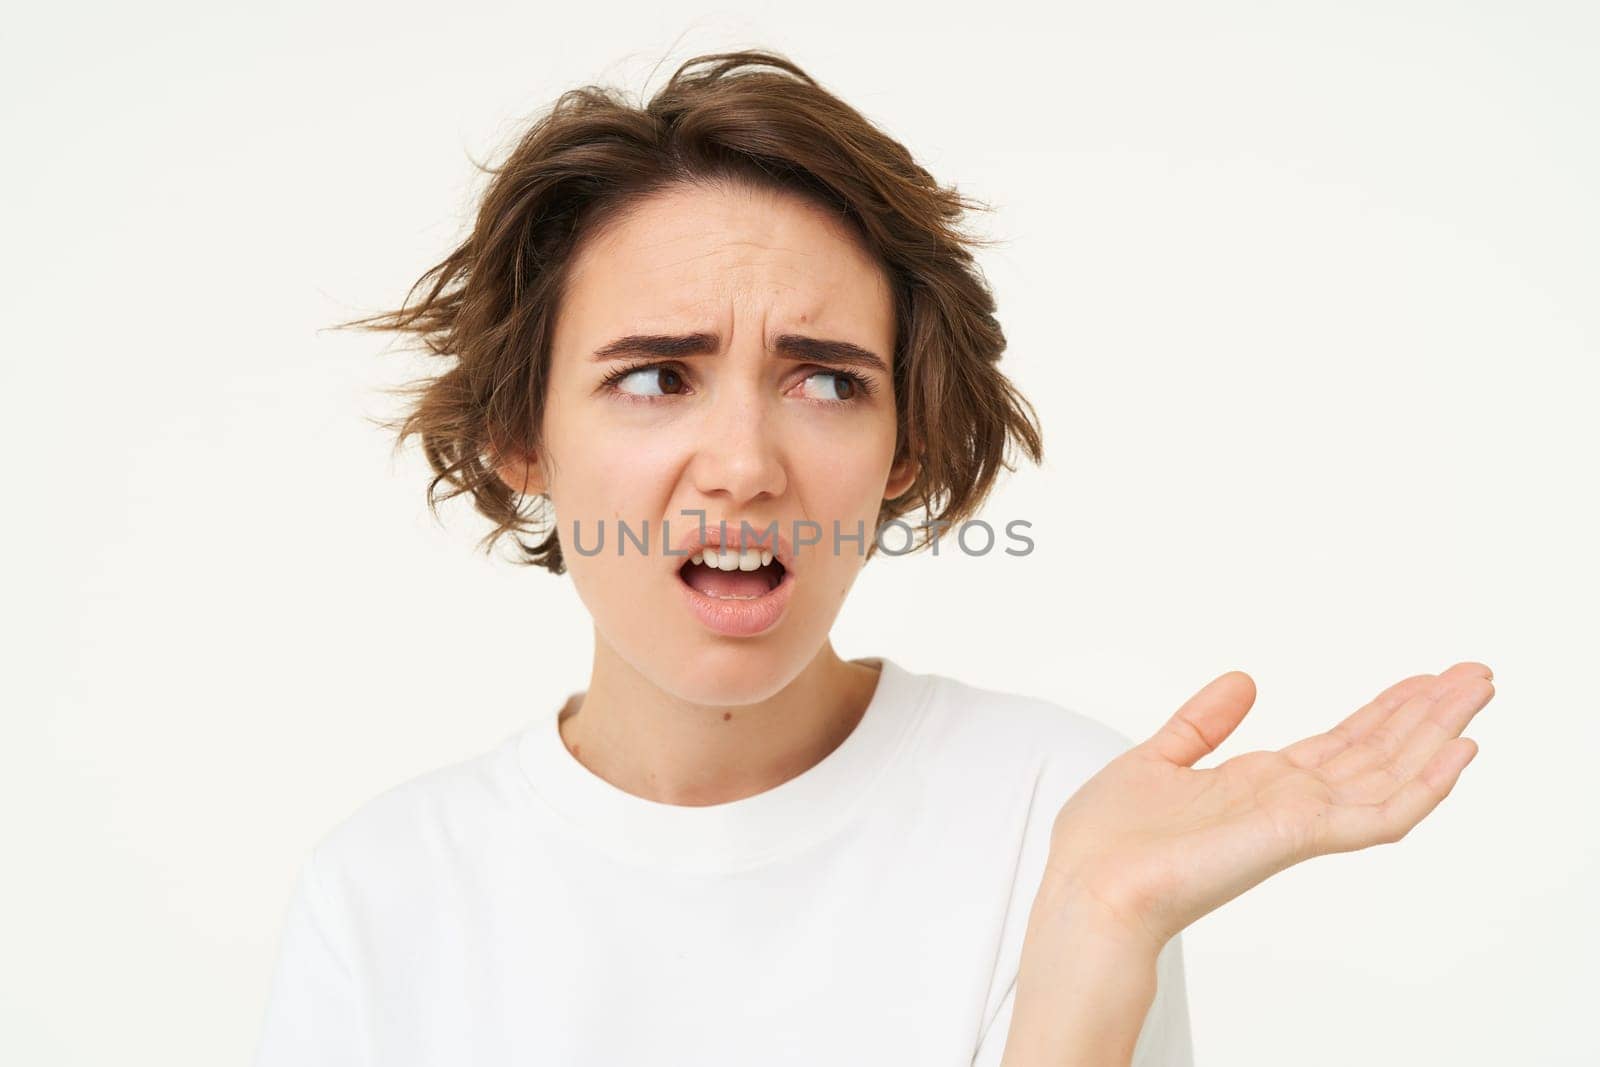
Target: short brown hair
[490, 304]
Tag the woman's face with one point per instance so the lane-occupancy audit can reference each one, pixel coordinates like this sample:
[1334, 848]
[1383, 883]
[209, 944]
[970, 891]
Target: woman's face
[741, 430]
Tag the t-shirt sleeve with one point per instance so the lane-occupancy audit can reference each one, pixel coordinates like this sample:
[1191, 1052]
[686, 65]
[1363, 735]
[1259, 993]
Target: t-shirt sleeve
[1164, 1039]
[313, 1013]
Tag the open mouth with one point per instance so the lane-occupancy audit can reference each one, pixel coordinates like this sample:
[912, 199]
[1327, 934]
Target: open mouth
[733, 584]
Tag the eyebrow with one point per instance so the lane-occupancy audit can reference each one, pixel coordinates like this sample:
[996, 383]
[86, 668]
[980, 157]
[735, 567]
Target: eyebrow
[789, 346]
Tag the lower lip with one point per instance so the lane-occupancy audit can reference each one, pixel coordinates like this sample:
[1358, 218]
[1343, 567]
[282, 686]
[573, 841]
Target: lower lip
[739, 618]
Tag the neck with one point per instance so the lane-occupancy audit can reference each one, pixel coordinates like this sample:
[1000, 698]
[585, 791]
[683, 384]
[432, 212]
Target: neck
[654, 744]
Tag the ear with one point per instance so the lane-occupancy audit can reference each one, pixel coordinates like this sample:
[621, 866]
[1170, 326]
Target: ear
[521, 474]
[901, 475]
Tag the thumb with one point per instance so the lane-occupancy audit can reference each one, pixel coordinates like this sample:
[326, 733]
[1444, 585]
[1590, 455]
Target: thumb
[1205, 720]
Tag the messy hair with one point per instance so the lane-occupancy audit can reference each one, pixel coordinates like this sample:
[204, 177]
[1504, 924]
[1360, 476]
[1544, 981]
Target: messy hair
[490, 306]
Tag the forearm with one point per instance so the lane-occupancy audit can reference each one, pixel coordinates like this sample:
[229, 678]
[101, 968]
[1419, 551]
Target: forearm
[1083, 990]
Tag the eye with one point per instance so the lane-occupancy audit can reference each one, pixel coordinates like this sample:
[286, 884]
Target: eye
[659, 376]
[846, 388]
[654, 381]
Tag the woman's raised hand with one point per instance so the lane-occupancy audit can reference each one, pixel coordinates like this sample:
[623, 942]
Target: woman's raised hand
[1152, 843]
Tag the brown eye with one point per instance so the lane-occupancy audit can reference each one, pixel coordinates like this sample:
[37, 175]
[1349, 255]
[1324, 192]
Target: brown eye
[844, 387]
[664, 378]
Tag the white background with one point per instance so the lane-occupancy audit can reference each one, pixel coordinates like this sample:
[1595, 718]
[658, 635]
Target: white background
[1305, 295]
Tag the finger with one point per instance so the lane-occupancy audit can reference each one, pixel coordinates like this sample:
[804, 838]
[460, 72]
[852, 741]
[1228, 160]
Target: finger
[1450, 715]
[1314, 750]
[1205, 720]
[1390, 700]
[1348, 827]
[1446, 718]
[1380, 726]
[1380, 744]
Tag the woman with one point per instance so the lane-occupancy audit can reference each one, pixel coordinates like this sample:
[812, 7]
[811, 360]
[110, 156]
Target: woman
[711, 347]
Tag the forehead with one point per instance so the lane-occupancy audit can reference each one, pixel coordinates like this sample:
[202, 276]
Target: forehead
[702, 257]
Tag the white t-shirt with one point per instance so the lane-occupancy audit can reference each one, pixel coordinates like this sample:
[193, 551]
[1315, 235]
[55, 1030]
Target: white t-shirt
[516, 908]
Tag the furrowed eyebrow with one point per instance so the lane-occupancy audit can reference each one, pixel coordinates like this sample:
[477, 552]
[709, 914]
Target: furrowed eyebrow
[657, 344]
[794, 346]
[789, 346]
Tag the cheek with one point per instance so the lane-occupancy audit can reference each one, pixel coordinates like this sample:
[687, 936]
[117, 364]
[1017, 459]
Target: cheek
[606, 477]
[845, 474]
[843, 491]
[602, 490]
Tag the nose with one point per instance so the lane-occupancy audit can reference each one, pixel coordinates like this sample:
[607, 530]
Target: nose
[739, 456]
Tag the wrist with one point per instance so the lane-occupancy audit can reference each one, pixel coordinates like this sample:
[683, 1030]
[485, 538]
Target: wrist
[1085, 985]
[1090, 912]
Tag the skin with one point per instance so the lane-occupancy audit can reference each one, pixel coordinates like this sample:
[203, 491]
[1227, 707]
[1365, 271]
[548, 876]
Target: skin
[1200, 837]
[676, 712]
[1151, 843]
[680, 714]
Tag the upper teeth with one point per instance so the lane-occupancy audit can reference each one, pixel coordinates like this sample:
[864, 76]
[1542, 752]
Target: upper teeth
[733, 560]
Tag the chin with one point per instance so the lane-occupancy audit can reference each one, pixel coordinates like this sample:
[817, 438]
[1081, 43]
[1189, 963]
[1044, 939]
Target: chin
[718, 670]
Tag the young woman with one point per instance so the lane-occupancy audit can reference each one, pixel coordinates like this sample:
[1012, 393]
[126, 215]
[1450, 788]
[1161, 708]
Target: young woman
[739, 321]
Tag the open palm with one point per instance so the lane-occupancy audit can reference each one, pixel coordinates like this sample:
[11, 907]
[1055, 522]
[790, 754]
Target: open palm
[1157, 843]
